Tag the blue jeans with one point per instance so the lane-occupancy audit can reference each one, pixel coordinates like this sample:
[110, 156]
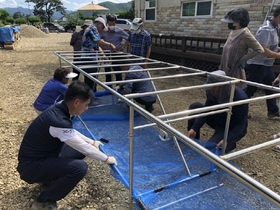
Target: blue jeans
[264, 75]
[64, 173]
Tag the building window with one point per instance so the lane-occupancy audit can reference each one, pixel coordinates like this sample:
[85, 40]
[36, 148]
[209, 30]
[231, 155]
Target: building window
[150, 9]
[199, 8]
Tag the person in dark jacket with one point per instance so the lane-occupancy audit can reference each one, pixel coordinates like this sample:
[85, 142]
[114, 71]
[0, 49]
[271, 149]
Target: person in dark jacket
[54, 89]
[238, 121]
[76, 43]
[52, 150]
[138, 87]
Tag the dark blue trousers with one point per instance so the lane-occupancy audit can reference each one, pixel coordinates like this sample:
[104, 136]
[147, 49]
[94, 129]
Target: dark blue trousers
[63, 172]
[211, 120]
[115, 68]
[264, 75]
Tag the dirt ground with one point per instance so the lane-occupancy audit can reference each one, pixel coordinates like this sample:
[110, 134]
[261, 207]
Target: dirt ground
[24, 71]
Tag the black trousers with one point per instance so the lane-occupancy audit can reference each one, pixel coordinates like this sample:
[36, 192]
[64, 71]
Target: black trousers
[264, 75]
[115, 68]
[64, 173]
[219, 131]
[147, 105]
[87, 80]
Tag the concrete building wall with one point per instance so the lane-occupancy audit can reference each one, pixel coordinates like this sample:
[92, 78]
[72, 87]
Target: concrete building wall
[169, 21]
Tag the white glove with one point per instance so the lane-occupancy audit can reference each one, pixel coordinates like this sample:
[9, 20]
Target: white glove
[111, 160]
[96, 144]
[117, 87]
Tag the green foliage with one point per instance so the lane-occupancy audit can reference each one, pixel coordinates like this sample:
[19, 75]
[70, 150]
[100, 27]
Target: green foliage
[73, 20]
[95, 14]
[20, 21]
[17, 15]
[115, 7]
[45, 9]
[128, 14]
[82, 16]
[34, 20]
[1, 23]
[10, 20]
[4, 15]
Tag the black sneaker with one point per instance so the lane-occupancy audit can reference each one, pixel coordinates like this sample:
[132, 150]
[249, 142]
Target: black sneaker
[272, 115]
[52, 205]
[150, 109]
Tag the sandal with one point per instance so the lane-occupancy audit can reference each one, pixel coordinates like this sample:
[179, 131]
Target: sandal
[276, 148]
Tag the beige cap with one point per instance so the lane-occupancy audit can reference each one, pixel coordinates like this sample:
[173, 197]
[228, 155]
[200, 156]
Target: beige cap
[87, 22]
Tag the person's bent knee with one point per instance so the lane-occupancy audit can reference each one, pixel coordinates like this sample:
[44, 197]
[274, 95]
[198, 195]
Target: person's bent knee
[80, 168]
[196, 105]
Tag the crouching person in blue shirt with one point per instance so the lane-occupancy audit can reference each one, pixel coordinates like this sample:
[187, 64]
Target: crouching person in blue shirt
[138, 87]
[54, 89]
[52, 150]
[238, 121]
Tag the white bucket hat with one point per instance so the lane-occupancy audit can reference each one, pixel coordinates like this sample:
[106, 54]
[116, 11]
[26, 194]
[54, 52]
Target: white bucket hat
[101, 20]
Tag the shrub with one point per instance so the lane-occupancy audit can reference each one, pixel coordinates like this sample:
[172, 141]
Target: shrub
[3, 15]
[20, 21]
[34, 20]
[10, 20]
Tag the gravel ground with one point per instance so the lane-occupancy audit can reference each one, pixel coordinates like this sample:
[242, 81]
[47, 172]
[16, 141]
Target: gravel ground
[24, 71]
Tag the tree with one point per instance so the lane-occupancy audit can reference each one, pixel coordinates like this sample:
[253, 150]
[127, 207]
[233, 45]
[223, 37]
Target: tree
[17, 15]
[3, 15]
[34, 20]
[45, 8]
[10, 20]
[73, 20]
[128, 14]
[20, 21]
[5, 18]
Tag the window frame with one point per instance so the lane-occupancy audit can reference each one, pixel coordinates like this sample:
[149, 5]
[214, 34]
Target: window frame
[147, 7]
[196, 7]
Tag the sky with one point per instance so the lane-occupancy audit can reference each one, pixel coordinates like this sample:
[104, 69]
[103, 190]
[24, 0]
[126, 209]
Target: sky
[69, 4]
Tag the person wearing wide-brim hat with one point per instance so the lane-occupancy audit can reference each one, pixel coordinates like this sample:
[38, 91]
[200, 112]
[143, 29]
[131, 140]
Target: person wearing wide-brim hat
[76, 43]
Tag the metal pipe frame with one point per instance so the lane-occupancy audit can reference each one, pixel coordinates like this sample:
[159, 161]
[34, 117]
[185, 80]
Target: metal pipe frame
[220, 106]
[136, 95]
[112, 65]
[151, 79]
[224, 165]
[174, 138]
[106, 61]
[183, 118]
[131, 149]
[228, 120]
[249, 150]
[138, 70]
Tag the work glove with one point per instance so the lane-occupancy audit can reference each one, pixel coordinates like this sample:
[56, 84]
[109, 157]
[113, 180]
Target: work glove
[96, 144]
[111, 160]
[119, 89]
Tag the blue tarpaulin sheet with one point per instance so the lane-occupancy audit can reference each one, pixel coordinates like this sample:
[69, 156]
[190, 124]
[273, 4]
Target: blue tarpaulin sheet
[6, 33]
[160, 179]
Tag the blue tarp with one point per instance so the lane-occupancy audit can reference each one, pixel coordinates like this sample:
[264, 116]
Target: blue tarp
[160, 179]
[6, 33]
